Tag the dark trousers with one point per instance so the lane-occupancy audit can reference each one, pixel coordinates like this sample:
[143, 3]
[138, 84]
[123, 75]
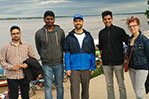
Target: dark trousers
[14, 85]
[78, 76]
[147, 84]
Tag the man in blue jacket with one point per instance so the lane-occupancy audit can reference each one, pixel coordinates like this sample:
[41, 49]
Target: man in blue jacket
[79, 58]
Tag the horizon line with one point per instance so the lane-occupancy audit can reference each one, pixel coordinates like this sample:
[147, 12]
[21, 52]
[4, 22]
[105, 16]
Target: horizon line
[39, 17]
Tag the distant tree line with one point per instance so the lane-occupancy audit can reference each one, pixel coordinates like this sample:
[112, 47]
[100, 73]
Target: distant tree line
[147, 12]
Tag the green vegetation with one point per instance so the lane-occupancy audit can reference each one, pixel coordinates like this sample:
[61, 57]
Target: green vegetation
[147, 12]
[97, 72]
[20, 18]
[23, 18]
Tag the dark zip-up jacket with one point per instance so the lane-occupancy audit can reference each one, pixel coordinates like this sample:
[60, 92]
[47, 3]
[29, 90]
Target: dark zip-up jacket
[111, 43]
[33, 70]
[50, 45]
[77, 58]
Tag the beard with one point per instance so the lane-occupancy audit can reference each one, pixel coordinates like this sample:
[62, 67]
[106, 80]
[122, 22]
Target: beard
[16, 39]
[78, 27]
[50, 25]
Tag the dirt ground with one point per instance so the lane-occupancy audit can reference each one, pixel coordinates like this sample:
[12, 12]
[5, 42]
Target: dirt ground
[97, 89]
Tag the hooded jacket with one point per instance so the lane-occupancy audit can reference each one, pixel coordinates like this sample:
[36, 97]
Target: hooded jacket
[50, 45]
[77, 58]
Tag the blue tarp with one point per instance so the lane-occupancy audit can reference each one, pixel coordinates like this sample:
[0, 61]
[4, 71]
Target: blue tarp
[1, 71]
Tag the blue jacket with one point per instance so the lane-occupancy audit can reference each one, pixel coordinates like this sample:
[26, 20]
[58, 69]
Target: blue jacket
[140, 55]
[77, 58]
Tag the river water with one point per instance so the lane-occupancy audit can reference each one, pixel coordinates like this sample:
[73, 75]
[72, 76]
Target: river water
[91, 23]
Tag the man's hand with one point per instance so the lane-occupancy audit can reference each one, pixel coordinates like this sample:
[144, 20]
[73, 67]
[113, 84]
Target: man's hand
[39, 76]
[91, 72]
[24, 65]
[16, 67]
[68, 72]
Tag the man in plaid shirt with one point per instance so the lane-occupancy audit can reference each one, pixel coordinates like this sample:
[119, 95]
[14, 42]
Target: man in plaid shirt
[12, 56]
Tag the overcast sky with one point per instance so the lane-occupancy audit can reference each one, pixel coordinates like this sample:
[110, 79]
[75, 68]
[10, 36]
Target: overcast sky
[36, 8]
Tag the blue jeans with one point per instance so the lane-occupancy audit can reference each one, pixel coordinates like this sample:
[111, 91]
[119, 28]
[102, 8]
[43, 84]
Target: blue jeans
[108, 72]
[57, 71]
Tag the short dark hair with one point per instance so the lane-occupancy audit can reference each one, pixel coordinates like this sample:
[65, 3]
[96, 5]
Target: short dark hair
[107, 12]
[14, 27]
[49, 13]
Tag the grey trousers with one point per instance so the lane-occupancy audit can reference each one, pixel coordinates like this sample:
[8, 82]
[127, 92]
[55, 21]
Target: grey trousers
[77, 77]
[138, 78]
[108, 72]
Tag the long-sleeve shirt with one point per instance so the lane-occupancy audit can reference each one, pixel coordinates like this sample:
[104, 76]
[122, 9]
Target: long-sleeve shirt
[111, 43]
[12, 55]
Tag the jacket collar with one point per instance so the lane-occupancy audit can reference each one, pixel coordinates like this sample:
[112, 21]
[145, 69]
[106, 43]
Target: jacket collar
[55, 27]
[109, 27]
[140, 33]
[84, 31]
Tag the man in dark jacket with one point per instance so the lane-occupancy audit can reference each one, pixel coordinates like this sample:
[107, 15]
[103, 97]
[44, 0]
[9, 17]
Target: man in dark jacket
[111, 40]
[49, 43]
[79, 58]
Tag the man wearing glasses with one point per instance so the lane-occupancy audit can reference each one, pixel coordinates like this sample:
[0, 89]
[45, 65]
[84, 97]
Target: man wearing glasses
[12, 56]
[111, 40]
[49, 43]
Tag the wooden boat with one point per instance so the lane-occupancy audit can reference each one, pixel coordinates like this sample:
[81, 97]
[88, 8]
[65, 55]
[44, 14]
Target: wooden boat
[3, 82]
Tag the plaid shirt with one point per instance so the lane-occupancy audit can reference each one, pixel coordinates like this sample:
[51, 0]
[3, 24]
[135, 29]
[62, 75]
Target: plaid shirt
[12, 55]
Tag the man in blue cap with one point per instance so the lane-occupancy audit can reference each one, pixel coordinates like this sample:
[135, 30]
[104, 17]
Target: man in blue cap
[79, 58]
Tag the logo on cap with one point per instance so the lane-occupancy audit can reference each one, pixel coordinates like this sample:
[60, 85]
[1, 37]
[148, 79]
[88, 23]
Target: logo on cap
[77, 16]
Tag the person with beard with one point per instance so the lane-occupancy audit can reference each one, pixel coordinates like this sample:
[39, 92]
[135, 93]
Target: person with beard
[12, 56]
[79, 58]
[49, 44]
[111, 40]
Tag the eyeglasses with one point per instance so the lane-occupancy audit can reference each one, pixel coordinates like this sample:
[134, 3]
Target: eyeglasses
[16, 33]
[132, 26]
[107, 19]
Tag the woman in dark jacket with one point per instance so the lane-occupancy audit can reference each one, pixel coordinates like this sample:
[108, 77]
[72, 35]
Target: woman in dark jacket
[139, 61]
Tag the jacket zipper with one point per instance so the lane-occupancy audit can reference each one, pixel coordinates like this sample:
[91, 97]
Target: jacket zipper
[79, 44]
[109, 46]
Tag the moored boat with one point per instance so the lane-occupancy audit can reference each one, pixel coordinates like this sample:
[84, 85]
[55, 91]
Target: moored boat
[3, 82]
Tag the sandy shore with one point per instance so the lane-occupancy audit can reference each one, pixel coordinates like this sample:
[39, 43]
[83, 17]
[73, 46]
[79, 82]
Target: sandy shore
[97, 89]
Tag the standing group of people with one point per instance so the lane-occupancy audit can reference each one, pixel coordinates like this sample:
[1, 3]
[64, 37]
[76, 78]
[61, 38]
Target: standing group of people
[79, 57]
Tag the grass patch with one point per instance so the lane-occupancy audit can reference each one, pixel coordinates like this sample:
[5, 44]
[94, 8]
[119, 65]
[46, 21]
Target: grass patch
[98, 71]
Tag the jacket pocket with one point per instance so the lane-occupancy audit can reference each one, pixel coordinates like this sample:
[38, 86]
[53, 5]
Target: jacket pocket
[43, 54]
[139, 55]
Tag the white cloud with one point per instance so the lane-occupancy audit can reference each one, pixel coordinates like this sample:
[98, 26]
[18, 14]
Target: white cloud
[53, 1]
[27, 8]
[126, 7]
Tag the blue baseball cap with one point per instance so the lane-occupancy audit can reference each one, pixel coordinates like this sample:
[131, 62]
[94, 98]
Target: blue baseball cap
[77, 16]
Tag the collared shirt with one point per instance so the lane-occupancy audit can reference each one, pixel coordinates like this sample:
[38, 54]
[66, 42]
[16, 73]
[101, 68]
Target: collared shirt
[12, 55]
